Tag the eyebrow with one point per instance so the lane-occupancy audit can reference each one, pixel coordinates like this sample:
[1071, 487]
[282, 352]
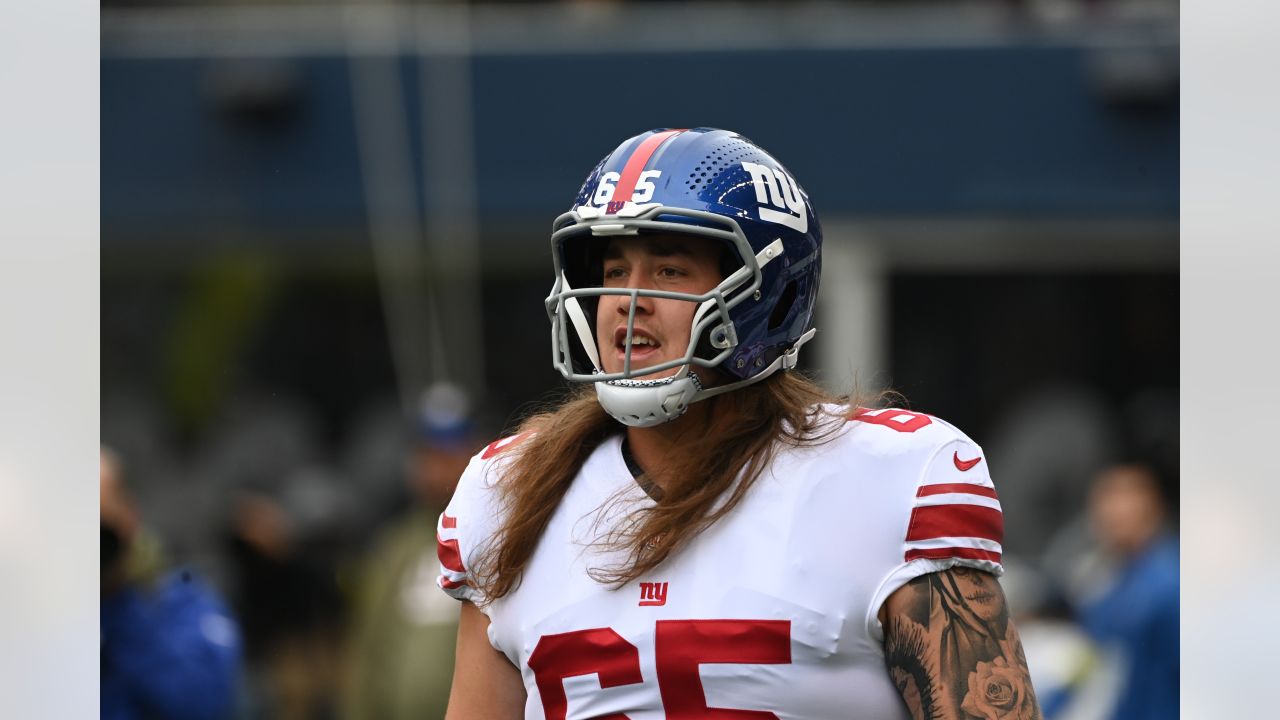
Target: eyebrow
[657, 248]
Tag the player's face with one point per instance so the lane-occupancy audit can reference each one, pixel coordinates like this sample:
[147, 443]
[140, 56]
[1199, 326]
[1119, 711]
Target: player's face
[676, 263]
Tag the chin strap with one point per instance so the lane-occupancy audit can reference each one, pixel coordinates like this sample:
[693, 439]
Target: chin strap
[645, 403]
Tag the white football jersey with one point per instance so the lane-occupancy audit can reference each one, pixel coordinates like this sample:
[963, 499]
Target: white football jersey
[769, 613]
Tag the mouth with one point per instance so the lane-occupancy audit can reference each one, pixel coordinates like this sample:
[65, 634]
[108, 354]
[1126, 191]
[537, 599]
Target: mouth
[980, 597]
[643, 345]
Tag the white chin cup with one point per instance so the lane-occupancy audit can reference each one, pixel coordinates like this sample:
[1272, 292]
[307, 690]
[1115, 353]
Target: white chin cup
[645, 403]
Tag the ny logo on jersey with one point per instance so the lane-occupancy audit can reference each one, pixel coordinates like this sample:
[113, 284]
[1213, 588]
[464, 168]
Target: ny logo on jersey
[653, 594]
[778, 189]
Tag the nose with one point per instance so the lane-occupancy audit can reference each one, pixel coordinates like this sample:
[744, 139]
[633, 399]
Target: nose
[644, 304]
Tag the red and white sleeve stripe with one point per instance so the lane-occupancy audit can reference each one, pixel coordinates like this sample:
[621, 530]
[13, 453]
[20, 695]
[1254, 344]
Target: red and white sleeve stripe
[453, 574]
[956, 520]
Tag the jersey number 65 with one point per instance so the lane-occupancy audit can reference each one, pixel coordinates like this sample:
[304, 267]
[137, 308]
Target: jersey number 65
[680, 646]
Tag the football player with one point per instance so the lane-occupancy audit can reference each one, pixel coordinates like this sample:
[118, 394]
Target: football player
[698, 531]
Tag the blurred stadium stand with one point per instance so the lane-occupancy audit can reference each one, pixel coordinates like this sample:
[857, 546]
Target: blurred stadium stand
[953, 141]
[310, 212]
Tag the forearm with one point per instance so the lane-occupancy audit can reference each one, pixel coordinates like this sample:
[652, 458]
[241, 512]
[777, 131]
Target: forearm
[953, 652]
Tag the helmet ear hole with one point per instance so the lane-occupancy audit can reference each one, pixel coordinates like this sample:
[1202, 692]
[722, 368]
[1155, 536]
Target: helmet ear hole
[783, 308]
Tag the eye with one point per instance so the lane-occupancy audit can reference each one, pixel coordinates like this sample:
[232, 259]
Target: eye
[671, 273]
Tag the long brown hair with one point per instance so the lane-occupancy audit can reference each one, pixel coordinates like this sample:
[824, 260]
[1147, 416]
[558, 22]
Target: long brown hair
[743, 430]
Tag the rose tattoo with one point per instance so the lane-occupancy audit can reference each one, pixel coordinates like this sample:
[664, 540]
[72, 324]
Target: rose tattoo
[999, 692]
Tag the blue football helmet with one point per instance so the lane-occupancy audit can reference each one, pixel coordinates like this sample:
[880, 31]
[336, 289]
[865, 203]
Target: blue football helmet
[703, 182]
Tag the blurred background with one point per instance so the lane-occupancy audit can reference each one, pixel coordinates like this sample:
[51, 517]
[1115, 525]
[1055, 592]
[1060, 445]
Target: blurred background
[324, 249]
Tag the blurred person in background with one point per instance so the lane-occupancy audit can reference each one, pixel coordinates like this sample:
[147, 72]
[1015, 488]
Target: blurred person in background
[1132, 609]
[697, 528]
[402, 649]
[287, 538]
[1073, 681]
[169, 647]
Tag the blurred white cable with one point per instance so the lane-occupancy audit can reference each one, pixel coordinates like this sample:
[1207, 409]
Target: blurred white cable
[395, 232]
[444, 47]
[426, 259]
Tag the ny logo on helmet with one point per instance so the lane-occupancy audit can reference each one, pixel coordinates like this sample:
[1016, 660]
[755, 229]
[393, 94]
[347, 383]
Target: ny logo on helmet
[776, 188]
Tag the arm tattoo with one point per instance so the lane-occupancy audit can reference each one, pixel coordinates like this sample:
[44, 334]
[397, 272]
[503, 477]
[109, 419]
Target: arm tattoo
[953, 652]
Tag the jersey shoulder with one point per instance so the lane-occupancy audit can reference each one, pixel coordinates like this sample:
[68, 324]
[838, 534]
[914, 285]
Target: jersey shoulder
[926, 490]
[934, 474]
[472, 517]
[486, 466]
[896, 430]
[898, 443]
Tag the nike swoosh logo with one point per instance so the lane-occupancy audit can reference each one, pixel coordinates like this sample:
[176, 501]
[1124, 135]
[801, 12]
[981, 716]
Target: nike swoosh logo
[963, 465]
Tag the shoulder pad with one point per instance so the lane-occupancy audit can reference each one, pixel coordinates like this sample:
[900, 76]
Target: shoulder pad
[895, 429]
[498, 447]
